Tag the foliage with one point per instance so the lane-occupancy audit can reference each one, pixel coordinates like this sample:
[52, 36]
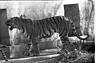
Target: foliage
[87, 18]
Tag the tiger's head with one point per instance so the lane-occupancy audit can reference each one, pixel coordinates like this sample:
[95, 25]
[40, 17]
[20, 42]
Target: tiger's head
[14, 22]
[20, 24]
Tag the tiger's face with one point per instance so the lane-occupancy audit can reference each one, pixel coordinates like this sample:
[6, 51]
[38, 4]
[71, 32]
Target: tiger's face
[17, 23]
[14, 23]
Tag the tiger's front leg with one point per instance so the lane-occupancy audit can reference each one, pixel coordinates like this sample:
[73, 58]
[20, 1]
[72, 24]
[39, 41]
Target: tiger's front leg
[34, 49]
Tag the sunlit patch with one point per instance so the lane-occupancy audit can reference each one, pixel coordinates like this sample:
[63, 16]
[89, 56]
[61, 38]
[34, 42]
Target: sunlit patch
[55, 39]
[12, 34]
[73, 39]
[55, 36]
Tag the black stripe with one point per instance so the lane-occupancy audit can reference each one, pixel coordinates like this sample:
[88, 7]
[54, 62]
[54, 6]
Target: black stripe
[40, 29]
[61, 24]
[46, 28]
[52, 24]
[43, 30]
[57, 23]
[65, 31]
[49, 27]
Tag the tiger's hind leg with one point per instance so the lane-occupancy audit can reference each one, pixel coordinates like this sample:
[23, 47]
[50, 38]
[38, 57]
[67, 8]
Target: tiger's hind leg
[64, 51]
[67, 44]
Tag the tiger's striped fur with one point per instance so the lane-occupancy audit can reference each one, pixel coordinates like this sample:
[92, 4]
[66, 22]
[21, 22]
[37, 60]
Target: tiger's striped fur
[44, 28]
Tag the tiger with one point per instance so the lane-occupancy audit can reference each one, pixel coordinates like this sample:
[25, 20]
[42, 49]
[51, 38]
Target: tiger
[43, 28]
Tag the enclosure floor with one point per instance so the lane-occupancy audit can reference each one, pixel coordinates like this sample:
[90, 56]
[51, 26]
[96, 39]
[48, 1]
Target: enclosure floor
[45, 56]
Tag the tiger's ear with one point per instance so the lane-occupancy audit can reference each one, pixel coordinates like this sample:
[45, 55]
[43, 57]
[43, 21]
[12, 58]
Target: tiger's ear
[22, 16]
